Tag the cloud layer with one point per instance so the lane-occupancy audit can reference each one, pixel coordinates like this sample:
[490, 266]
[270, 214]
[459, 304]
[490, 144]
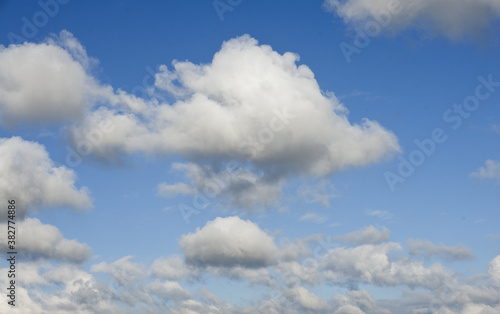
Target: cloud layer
[286, 283]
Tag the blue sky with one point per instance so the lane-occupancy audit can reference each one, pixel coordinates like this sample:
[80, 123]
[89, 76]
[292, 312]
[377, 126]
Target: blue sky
[243, 157]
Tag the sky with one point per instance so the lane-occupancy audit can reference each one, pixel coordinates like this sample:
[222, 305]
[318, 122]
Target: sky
[235, 156]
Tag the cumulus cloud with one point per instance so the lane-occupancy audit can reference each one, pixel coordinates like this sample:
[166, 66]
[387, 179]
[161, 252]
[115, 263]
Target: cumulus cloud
[67, 288]
[429, 249]
[372, 264]
[307, 300]
[368, 235]
[29, 176]
[43, 83]
[46, 241]
[452, 18]
[229, 242]
[489, 171]
[251, 105]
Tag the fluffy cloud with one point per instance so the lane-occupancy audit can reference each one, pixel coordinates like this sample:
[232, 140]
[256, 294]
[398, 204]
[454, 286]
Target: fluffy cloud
[372, 264]
[46, 241]
[307, 300]
[451, 18]
[43, 83]
[29, 176]
[172, 268]
[251, 105]
[67, 288]
[490, 170]
[428, 249]
[368, 235]
[229, 242]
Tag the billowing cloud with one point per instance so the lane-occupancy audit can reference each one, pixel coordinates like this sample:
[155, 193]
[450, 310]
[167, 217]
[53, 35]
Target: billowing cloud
[250, 105]
[229, 242]
[46, 241]
[451, 18]
[429, 249]
[43, 83]
[490, 170]
[368, 235]
[29, 176]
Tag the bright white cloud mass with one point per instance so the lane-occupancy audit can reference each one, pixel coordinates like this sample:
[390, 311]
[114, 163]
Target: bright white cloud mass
[248, 177]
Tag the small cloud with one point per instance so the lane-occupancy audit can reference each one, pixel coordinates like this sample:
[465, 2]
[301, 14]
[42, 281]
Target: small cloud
[314, 218]
[368, 235]
[494, 237]
[491, 170]
[382, 214]
[322, 193]
[428, 249]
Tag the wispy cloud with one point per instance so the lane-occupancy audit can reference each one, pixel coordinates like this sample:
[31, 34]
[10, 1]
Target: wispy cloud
[314, 218]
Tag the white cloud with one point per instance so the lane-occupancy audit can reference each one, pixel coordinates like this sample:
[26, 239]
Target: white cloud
[368, 235]
[494, 271]
[123, 270]
[322, 193]
[429, 249]
[490, 170]
[46, 241]
[372, 264]
[169, 290]
[172, 268]
[29, 175]
[452, 18]
[42, 83]
[307, 299]
[229, 242]
[250, 104]
[314, 217]
[382, 214]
